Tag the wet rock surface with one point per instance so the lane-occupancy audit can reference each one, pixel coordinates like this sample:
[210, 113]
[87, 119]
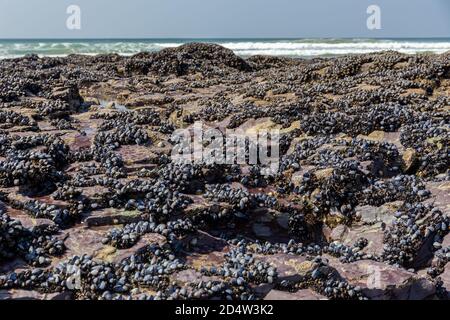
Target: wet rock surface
[93, 207]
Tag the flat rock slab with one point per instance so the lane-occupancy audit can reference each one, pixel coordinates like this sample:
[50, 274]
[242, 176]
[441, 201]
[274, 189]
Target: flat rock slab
[107, 217]
[33, 295]
[446, 241]
[95, 192]
[372, 215]
[114, 255]
[445, 277]
[191, 276]
[304, 294]
[205, 251]
[348, 236]
[289, 267]
[199, 261]
[203, 242]
[82, 240]
[28, 221]
[88, 241]
[440, 195]
[381, 281]
[135, 154]
[15, 265]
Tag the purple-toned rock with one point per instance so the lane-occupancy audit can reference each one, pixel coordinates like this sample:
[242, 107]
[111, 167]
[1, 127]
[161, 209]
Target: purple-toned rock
[348, 236]
[445, 277]
[186, 276]
[107, 217]
[304, 294]
[289, 267]
[440, 195]
[372, 215]
[381, 281]
[81, 240]
[33, 295]
[111, 254]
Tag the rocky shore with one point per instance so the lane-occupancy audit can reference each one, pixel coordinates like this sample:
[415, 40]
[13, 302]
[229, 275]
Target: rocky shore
[92, 207]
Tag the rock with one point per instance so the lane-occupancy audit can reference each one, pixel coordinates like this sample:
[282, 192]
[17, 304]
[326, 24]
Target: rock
[208, 251]
[92, 101]
[324, 173]
[16, 265]
[33, 295]
[371, 215]
[147, 100]
[348, 236]
[185, 276]
[205, 260]
[261, 230]
[110, 105]
[28, 221]
[282, 219]
[69, 95]
[376, 135]
[137, 155]
[207, 243]
[289, 267]
[445, 277]
[114, 255]
[108, 217]
[446, 241]
[338, 233]
[305, 294]
[197, 57]
[409, 158]
[440, 195]
[381, 281]
[261, 290]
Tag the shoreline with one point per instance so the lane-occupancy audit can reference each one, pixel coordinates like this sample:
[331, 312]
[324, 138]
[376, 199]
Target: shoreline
[303, 48]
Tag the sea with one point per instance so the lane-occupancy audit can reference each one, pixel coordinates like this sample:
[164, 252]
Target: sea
[301, 48]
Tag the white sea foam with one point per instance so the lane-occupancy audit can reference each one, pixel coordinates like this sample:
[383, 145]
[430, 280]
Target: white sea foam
[291, 48]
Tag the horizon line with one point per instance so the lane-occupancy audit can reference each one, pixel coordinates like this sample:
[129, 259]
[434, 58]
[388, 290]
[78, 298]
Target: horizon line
[224, 38]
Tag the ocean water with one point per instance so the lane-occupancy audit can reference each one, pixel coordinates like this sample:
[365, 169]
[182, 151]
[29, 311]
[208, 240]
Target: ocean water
[243, 47]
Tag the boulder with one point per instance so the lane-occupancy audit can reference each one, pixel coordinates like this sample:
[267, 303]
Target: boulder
[28, 221]
[70, 95]
[80, 241]
[204, 250]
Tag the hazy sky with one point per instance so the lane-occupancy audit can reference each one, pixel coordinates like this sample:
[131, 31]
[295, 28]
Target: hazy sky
[223, 18]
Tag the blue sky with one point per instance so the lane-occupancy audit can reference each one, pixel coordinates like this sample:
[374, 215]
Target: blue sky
[223, 18]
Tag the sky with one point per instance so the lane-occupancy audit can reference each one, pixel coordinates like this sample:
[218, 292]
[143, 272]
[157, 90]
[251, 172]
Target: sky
[38, 19]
